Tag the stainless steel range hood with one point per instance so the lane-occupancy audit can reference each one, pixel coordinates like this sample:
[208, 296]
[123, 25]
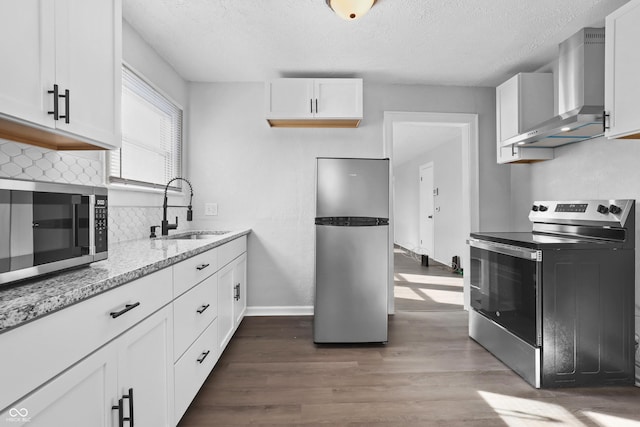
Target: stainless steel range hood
[580, 94]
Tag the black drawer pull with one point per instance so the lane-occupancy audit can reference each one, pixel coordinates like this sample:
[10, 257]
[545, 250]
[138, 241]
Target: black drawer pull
[202, 309]
[126, 308]
[203, 356]
[202, 266]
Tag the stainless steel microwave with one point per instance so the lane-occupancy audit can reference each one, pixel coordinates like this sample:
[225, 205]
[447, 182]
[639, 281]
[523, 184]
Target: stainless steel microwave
[47, 227]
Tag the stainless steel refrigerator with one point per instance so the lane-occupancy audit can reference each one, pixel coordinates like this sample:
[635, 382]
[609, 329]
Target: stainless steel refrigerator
[352, 250]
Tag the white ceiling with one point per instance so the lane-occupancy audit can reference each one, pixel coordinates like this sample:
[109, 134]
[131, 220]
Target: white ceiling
[440, 42]
[436, 42]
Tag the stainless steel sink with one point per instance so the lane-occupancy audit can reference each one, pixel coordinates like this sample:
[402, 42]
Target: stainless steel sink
[199, 235]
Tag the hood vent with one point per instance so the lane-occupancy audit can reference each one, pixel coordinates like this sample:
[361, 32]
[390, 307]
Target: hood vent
[580, 94]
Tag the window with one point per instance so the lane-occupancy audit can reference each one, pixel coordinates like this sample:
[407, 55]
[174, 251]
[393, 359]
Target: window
[151, 152]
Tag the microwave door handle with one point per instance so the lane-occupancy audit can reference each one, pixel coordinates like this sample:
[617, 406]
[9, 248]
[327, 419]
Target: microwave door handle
[76, 225]
[77, 202]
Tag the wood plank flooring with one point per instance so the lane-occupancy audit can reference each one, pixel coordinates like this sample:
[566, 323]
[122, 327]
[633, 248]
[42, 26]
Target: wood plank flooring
[420, 288]
[428, 374]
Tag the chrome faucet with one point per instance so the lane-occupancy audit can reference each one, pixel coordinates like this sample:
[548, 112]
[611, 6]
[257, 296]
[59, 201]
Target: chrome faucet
[165, 224]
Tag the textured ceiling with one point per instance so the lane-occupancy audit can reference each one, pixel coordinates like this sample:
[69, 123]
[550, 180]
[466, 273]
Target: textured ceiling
[440, 42]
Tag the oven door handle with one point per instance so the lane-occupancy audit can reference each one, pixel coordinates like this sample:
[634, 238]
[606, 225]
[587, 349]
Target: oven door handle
[501, 248]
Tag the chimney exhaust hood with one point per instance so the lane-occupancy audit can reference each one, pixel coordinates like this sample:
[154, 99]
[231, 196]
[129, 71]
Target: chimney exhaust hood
[580, 95]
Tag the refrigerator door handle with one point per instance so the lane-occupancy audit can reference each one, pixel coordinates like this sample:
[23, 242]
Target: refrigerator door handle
[351, 221]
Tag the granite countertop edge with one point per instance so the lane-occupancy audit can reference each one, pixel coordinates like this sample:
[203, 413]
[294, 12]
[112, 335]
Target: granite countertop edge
[128, 261]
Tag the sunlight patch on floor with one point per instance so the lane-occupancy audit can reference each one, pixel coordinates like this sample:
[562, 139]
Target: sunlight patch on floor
[426, 279]
[610, 420]
[424, 294]
[515, 411]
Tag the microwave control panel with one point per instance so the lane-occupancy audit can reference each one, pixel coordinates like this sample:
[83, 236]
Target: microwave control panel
[101, 220]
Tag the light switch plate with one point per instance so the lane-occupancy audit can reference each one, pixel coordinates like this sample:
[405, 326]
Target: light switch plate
[211, 209]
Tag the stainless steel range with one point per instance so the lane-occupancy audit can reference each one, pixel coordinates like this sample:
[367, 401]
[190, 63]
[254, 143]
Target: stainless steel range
[557, 305]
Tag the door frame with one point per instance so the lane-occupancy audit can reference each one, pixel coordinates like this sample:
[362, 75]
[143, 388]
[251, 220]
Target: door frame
[468, 124]
[430, 249]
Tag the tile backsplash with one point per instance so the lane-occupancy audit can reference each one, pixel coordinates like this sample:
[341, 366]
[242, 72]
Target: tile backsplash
[21, 161]
[134, 222]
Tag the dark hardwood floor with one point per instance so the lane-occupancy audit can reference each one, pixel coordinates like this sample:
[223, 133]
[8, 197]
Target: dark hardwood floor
[429, 373]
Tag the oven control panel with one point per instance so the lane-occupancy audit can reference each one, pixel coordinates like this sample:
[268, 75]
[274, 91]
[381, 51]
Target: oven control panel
[602, 212]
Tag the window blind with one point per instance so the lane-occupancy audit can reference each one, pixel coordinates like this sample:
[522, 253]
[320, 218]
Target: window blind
[151, 152]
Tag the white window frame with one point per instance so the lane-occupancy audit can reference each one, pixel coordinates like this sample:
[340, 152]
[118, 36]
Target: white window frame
[130, 184]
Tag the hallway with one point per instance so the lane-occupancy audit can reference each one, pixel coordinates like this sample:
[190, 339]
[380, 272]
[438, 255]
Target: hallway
[420, 288]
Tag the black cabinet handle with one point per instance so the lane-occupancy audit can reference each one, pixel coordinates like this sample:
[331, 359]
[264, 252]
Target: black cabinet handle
[120, 408]
[66, 106]
[604, 121]
[130, 397]
[202, 266]
[203, 356]
[311, 106]
[55, 102]
[120, 413]
[316, 105]
[202, 309]
[236, 296]
[126, 308]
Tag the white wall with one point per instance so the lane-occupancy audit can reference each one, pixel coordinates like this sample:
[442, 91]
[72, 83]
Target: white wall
[449, 237]
[263, 178]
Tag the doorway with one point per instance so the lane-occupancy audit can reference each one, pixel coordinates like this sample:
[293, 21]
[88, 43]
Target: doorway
[467, 124]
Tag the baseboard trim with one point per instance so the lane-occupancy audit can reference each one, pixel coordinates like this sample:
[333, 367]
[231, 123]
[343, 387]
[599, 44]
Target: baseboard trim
[417, 255]
[304, 310]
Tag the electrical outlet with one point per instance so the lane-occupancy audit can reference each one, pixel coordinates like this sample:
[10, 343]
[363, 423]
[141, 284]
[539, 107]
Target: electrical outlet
[211, 209]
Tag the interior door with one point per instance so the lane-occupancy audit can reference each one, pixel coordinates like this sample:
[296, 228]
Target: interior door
[427, 219]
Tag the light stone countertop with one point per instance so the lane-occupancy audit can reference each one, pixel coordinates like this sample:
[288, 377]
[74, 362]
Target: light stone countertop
[127, 261]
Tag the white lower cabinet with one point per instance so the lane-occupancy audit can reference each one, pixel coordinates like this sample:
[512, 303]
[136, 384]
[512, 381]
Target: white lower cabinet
[193, 368]
[232, 288]
[145, 359]
[82, 396]
[135, 367]
[225, 306]
[240, 289]
[135, 355]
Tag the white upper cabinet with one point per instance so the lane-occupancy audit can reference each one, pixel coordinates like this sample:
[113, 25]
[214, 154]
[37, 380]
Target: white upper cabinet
[67, 48]
[314, 102]
[290, 99]
[27, 43]
[522, 102]
[622, 72]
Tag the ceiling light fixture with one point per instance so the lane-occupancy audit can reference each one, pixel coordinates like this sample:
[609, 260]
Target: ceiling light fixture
[350, 9]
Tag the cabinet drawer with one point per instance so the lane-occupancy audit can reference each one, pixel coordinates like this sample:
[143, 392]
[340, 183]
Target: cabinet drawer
[194, 270]
[232, 250]
[193, 312]
[43, 348]
[193, 368]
